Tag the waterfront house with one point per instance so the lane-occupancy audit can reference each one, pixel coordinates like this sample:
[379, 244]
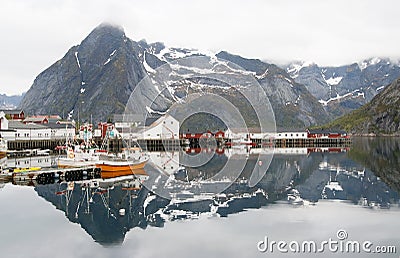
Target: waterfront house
[156, 128]
[321, 133]
[61, 131]
[27, 132]
[15, 114]
[291, 135]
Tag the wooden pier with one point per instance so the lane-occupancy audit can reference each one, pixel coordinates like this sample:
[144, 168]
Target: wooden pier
[312, 142]
[34, 144]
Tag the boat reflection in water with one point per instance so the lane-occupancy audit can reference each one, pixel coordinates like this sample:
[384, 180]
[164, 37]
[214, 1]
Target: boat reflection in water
[107, 208]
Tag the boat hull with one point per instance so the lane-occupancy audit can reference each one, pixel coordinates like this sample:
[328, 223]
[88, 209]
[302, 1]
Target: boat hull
[112, 169]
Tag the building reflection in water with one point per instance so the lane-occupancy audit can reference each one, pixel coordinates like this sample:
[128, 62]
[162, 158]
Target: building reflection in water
[108, 208]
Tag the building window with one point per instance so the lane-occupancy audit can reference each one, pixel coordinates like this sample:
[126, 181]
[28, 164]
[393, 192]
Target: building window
[172, 122]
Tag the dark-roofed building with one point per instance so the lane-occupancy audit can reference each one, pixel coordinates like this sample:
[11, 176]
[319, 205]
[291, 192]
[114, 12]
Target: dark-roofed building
[19, 131]
[14, 114]
[42, 119]
[25, 132]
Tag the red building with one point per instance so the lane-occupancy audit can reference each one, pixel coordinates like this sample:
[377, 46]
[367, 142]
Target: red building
[41, 119]
[14, 114]
[104, 127]
[320, 133]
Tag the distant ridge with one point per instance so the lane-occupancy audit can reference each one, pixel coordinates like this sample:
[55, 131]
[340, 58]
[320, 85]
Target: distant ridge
[381, 116]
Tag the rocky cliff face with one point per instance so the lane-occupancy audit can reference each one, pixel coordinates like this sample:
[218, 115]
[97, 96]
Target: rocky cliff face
[293, 104]
[345, 88]
[95, 80]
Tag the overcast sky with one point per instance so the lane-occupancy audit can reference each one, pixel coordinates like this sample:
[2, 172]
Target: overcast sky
[36, 33]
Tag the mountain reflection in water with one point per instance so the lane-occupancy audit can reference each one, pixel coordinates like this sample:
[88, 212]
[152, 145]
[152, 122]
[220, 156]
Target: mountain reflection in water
[367, 175]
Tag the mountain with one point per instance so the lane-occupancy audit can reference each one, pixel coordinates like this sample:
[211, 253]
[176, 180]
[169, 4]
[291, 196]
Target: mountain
[345, 88]
[293, 105]
[94, 78]
[98, 78]
[10, 102]
[381, 116]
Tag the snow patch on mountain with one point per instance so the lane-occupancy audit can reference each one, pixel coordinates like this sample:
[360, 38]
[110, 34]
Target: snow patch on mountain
[294, 69]
[334, 80]
[380, 88]
[354, 94]
[373, 61]
[77, 61]
[110, 57]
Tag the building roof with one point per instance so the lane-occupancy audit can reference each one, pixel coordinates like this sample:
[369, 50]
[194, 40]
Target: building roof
[12, 111]
[34, 119]
[19, 125]
[325, 131]
[54, 125]
[244, 130]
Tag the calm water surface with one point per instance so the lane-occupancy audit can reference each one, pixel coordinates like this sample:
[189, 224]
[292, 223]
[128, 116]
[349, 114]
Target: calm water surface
[304, 196]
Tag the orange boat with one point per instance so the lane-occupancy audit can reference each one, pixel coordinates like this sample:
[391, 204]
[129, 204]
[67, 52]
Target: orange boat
[130, 161]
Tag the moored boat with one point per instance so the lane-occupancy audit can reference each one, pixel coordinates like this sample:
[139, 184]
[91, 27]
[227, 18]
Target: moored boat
[129, 161]
[78, 157]
[25, 170]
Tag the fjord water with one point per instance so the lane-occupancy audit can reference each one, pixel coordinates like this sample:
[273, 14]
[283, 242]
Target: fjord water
[303, 197]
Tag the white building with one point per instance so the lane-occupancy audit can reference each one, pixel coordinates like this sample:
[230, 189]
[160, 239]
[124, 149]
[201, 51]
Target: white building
[127, 124]
[244, 134]
[61, 131]
[164, 128]
[18, 131]
[3, 121]
[291, 135]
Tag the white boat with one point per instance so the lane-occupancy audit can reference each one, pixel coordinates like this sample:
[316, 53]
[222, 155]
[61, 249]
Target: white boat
[78, 156]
